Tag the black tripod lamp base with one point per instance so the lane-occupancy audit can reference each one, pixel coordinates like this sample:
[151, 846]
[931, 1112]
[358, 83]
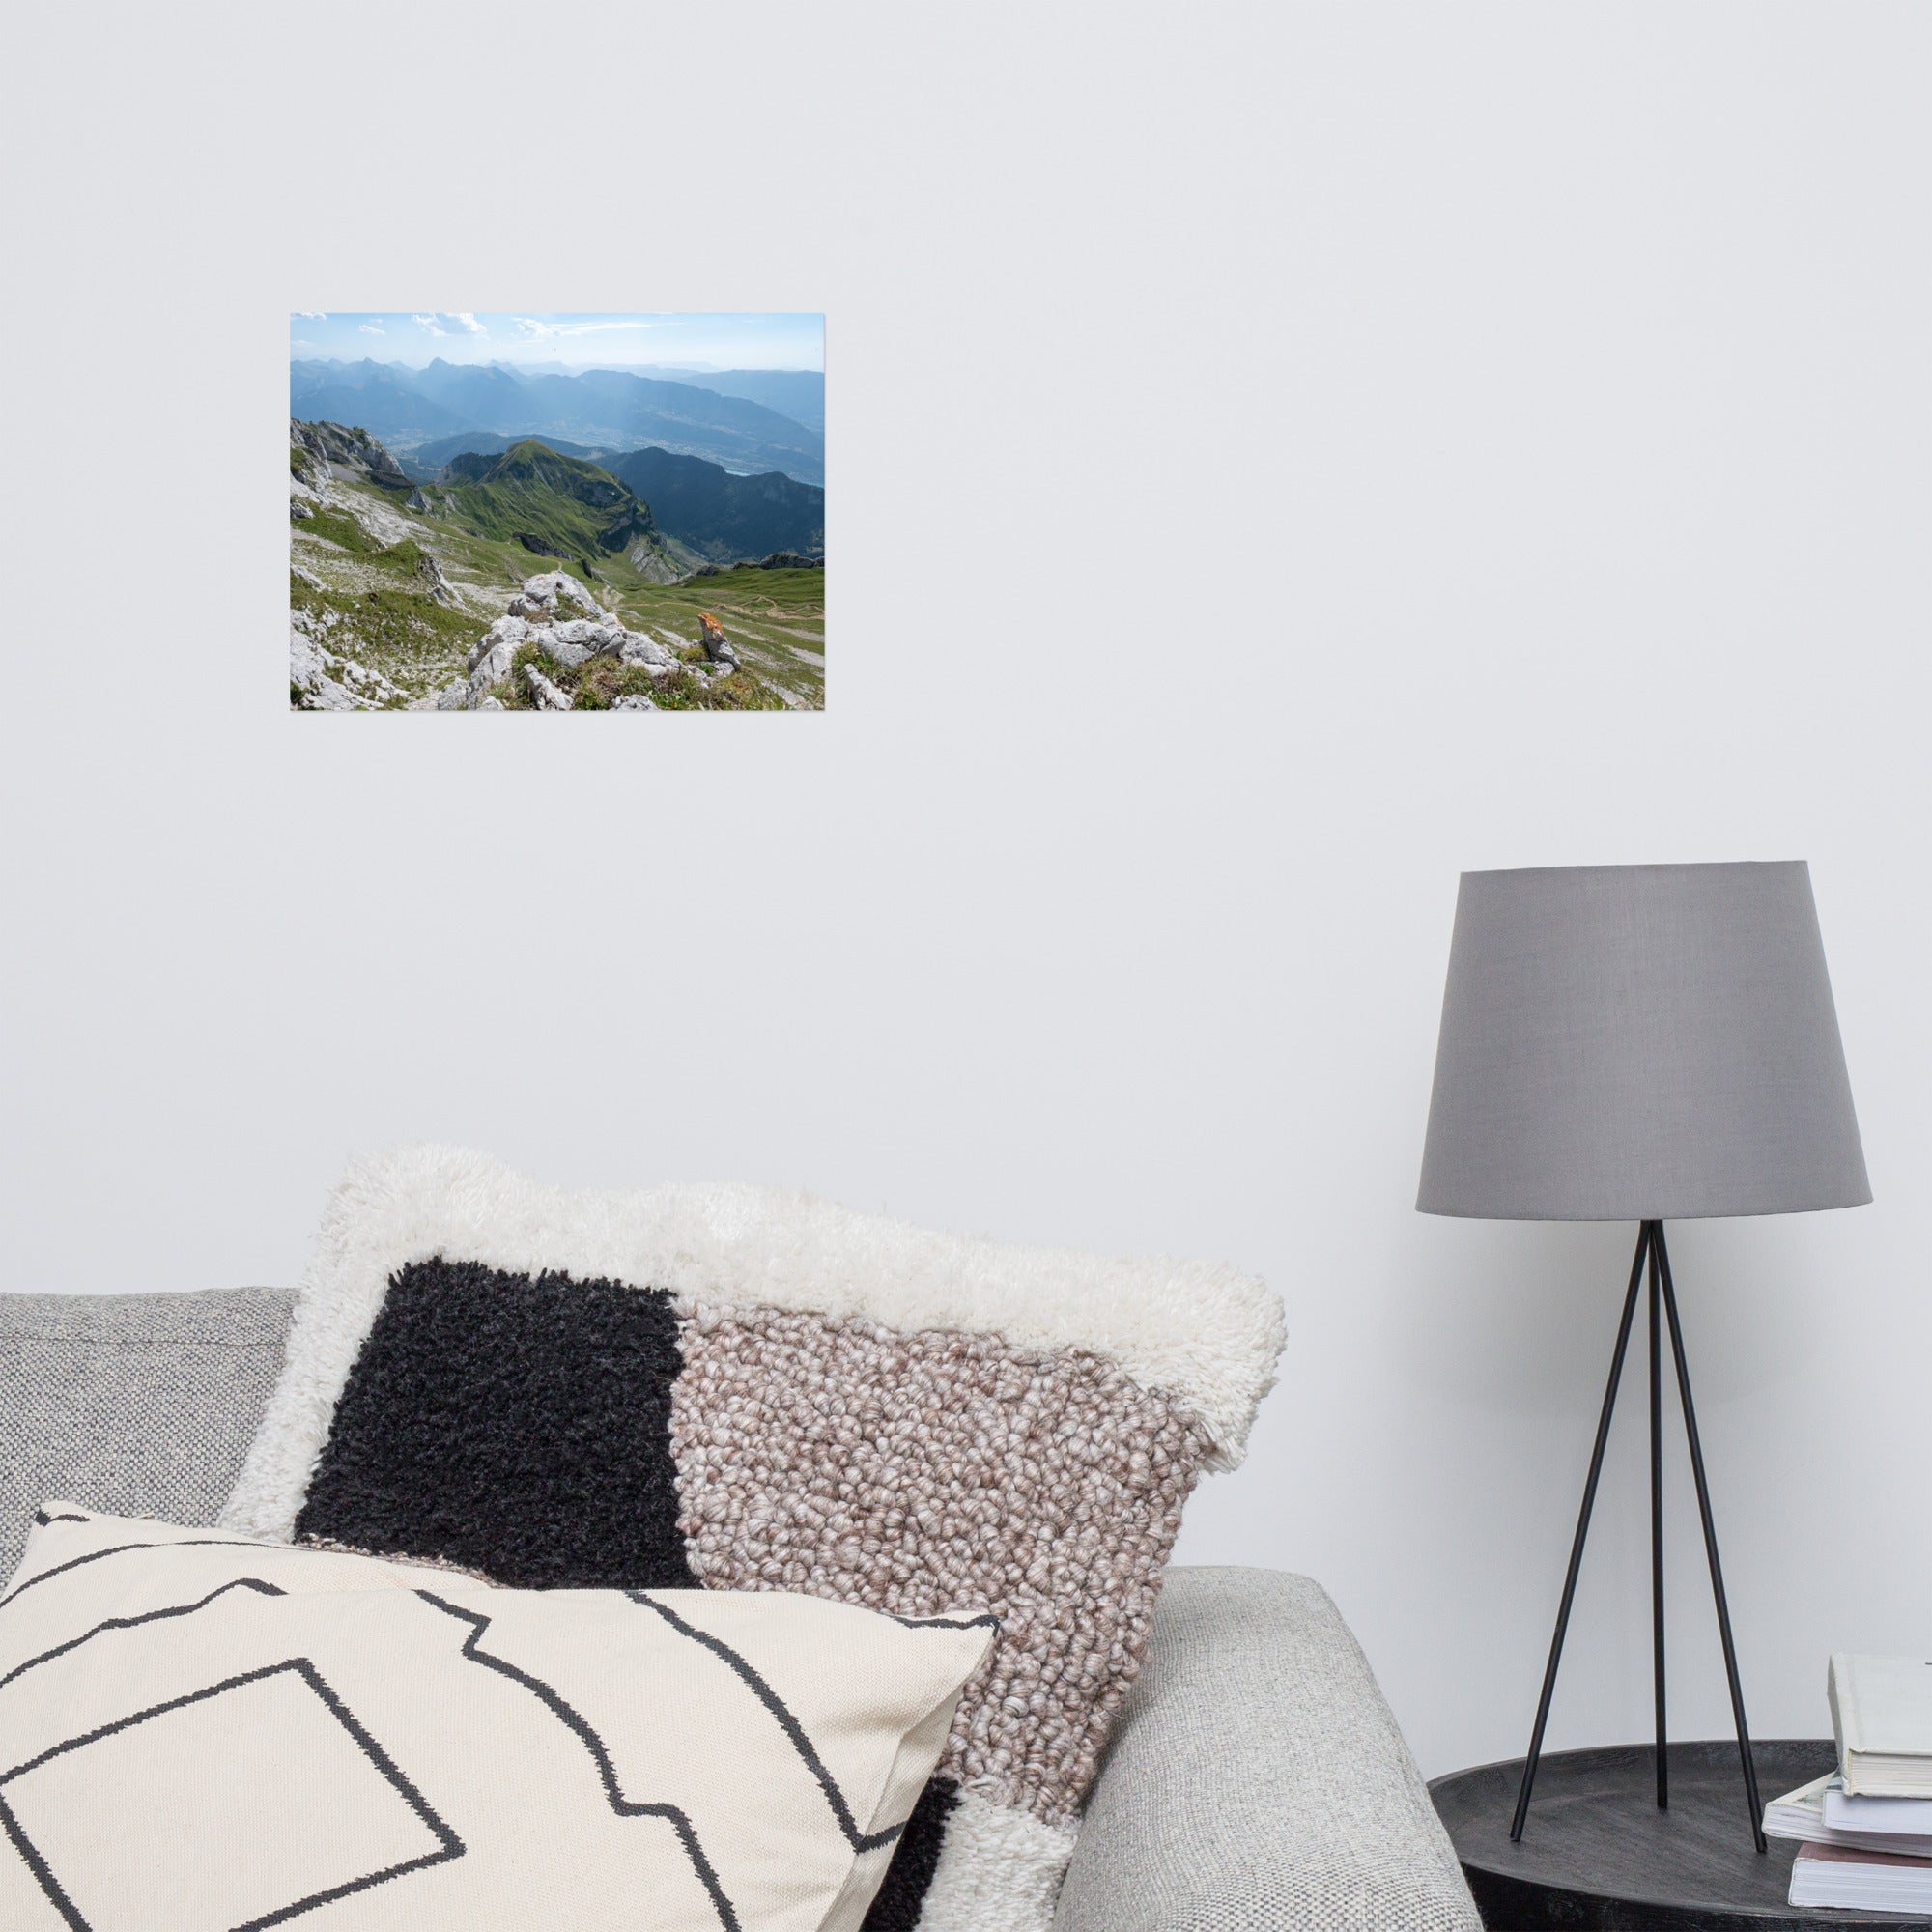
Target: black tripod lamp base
[1652, 1257]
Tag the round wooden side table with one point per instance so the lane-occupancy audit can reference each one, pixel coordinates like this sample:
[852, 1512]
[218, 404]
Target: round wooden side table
[1598, 1856]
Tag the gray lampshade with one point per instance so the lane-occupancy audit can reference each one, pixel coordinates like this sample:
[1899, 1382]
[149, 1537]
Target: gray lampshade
[1639, 1043]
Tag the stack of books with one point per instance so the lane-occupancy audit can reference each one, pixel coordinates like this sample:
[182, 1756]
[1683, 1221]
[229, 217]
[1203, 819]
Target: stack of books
[1865, 1830]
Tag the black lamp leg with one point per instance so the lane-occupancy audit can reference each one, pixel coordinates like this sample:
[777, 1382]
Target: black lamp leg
[1657, 1516]
[1662, 1263]
[1582, 1532]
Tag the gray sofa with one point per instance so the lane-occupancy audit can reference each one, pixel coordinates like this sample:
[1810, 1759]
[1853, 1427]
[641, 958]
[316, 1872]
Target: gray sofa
[1256, 1779]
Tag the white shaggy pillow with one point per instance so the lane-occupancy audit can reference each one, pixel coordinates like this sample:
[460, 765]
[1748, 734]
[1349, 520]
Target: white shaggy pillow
[200, 1732]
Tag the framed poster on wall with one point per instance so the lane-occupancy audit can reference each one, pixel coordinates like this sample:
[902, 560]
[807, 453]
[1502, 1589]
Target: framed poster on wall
[547, 513]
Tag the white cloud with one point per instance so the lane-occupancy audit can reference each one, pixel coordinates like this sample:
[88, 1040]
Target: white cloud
[309, 315]
[369, 328]
[534, 330]
[299, 343]
[430, 322]
[470, 323]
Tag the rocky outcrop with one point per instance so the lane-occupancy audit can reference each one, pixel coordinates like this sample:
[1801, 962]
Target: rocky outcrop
[650, 559]
[492, 655]
[430, 570]
[553, 596]
[576, 643]
[351, 452]
[718, 648]
[561, 618]
[372, 686]
[320, 452]
[320, 680]
[790, 559]
[416, 501]
[539, 546]
[548, 697]
[308, 476]
[637, 649]
[310, 685]
[633, 704]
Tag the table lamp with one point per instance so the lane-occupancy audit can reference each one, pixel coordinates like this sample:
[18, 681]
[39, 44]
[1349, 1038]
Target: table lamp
[1640, 1044]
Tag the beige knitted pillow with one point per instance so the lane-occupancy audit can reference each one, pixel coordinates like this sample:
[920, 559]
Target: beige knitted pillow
[199, 1733]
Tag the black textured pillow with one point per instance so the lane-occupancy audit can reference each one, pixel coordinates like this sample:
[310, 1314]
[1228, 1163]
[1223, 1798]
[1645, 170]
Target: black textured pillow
[516, 1425]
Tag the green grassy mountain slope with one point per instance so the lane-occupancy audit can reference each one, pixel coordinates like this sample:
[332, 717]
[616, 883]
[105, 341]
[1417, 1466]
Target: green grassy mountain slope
[555, 505]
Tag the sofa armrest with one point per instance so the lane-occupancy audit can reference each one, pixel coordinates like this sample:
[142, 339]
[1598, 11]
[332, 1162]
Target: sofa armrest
[1257, 1780]
[137, 1405]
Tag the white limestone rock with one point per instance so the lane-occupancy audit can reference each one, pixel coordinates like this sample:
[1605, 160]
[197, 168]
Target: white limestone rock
[580, 641]
[639, 649]
[453, 697]
[310, 685]
[306, 665]
[491, 654]
[333, 447]
[548, 697]
[309, 477]
[556, 594]
[370, 686]
[633, 704]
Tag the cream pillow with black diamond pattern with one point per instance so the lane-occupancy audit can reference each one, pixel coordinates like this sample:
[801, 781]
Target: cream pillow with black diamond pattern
[202, 1733]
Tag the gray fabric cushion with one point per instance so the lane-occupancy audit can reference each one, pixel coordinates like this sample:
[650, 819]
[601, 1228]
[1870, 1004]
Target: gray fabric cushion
[1257, 1781]
[136, 1405]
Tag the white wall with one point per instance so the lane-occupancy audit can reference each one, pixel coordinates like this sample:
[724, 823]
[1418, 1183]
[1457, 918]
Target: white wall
[1279, 458]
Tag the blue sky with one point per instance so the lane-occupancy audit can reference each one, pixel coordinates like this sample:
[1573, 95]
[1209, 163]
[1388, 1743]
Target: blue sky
[418, 336]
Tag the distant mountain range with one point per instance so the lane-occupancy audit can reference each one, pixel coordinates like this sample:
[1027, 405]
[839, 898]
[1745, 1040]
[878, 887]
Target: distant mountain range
[608, 408]
[796, 394]
[719, 516]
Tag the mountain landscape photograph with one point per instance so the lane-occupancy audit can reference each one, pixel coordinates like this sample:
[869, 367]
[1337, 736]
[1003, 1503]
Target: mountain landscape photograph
[556, 511]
